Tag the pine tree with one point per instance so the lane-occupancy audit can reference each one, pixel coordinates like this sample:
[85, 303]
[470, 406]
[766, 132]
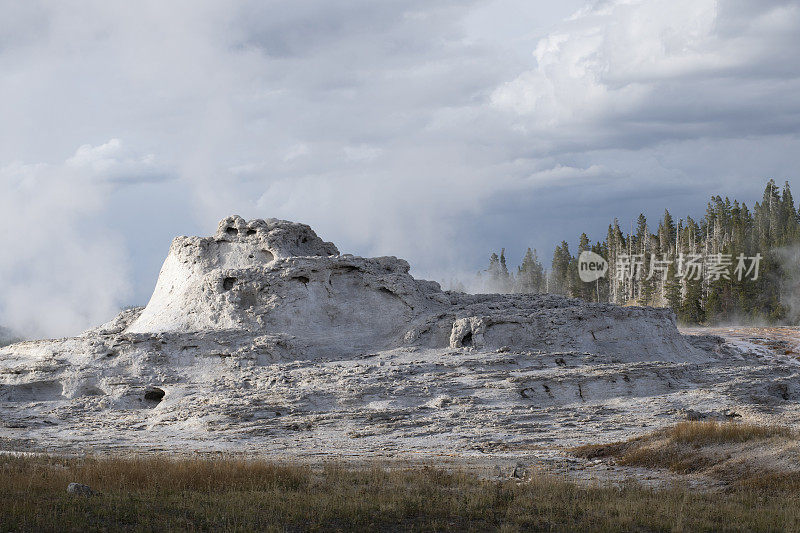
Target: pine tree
[581, 289]
[494, 271]
[789, 217]
[617, 246]
[666, 234]
[503, 267]
[672, 289]
[530, 274]
[560, 279]
[692, 304]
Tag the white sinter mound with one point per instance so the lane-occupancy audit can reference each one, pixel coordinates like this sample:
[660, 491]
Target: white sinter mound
[263, 338]
[278, 278]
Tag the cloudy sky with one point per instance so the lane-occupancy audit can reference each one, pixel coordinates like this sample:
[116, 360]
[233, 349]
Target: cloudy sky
[434, 130]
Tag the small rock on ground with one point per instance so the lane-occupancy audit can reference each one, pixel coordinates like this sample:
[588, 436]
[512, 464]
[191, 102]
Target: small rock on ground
[82, 490]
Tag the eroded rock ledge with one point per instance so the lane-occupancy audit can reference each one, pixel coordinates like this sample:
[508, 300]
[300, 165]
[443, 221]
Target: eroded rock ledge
[264, 334]
[277, 277]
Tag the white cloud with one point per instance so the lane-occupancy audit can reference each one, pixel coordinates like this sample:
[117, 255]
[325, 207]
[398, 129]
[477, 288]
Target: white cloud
[414, 128]
[298, 150]
[112, 162]
[361, 152]
[660, 68]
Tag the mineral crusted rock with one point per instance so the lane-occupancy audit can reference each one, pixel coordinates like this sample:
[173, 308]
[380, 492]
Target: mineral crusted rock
[264, 338]
[80, 489]
[277, 277]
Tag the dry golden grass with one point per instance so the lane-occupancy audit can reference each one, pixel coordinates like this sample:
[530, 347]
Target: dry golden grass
[730, 452]
[717, 432]
[226, 494]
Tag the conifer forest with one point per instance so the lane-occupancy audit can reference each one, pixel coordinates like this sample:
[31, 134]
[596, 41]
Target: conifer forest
[736, 264]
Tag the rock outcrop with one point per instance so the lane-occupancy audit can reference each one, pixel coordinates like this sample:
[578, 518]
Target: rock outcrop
[279, 278]
[265, 335]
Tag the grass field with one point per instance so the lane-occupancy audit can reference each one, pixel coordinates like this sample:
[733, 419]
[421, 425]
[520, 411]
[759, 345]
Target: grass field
[736, 454]
[152, 493]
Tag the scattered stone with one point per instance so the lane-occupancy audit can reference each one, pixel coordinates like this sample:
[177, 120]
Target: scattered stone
[79, 489]
[692, 415]
[520, 471]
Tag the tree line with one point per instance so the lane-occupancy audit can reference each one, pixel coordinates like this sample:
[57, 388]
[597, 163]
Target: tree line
[733, 265]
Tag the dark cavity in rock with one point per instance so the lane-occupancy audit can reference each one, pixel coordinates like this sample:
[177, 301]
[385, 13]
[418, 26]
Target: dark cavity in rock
[154, 394]
[466, 340]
